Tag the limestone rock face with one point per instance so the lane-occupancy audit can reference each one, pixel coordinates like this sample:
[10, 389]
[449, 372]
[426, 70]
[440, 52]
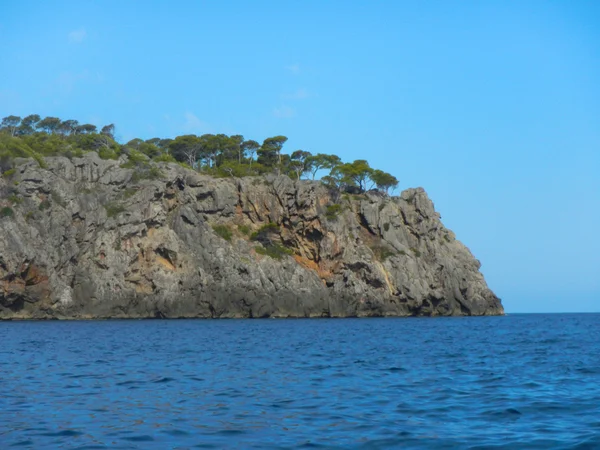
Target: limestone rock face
[89, 239]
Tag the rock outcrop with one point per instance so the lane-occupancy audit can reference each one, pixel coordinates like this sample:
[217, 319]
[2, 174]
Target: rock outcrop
[86, 238]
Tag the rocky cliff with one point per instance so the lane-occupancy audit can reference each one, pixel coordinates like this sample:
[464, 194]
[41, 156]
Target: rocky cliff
[86, 238]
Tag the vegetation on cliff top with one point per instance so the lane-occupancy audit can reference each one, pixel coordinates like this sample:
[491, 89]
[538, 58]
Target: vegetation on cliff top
[212, 154]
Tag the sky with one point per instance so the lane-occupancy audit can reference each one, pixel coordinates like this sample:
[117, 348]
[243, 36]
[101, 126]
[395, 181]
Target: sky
[492, 106]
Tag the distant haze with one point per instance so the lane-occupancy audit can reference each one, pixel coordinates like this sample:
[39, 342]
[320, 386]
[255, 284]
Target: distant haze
[493, 107]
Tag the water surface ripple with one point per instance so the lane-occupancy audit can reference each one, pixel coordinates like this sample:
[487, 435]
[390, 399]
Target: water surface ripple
[521, 381]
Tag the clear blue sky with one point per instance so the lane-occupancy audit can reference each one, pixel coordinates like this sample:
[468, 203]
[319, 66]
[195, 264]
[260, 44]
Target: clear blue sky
[492, 106]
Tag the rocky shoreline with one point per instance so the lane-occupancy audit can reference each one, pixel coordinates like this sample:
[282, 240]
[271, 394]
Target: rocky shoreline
[88, 239]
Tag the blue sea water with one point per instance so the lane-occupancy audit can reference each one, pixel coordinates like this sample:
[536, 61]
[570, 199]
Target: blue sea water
[520, 381]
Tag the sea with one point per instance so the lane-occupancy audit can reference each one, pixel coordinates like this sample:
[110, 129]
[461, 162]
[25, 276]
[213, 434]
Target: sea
[515, 382]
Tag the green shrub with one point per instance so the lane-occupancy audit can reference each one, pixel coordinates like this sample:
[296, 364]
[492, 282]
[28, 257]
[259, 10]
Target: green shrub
[15, 199]
[224, 231]
[8, 173]
[29, 216]
[73, 153]
[245, 229]
[39, 159]
[14, 147]
[114, 209]
[135, 159]
[233, 168]
[44, 205]
[107, 153]
[155, 173]
[275, 251]
[382, 252]
[416, 252]
[44, 144]
[263, 231]
[386, 226]
[129, 192]
[6, 212]
[333, 211]
[165, 157]
[128, 165]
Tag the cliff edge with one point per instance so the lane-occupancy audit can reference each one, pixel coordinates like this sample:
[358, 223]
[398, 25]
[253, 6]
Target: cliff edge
[86, 238]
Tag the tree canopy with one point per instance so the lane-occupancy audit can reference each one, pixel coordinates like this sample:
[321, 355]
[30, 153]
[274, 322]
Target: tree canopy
[213, 154]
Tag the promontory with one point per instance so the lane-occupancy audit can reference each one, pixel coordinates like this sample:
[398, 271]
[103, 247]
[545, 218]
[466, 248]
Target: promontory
[195, 227]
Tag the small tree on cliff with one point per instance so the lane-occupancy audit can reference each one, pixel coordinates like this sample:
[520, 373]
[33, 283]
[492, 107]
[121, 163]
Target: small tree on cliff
[49, 124]
[11, 124]
[356, 173]
[269, 153]
[108, 130]
[384, 181]
[250, 147]
[299, 162]
[321, 161]
[28, 124]
[186, 149]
